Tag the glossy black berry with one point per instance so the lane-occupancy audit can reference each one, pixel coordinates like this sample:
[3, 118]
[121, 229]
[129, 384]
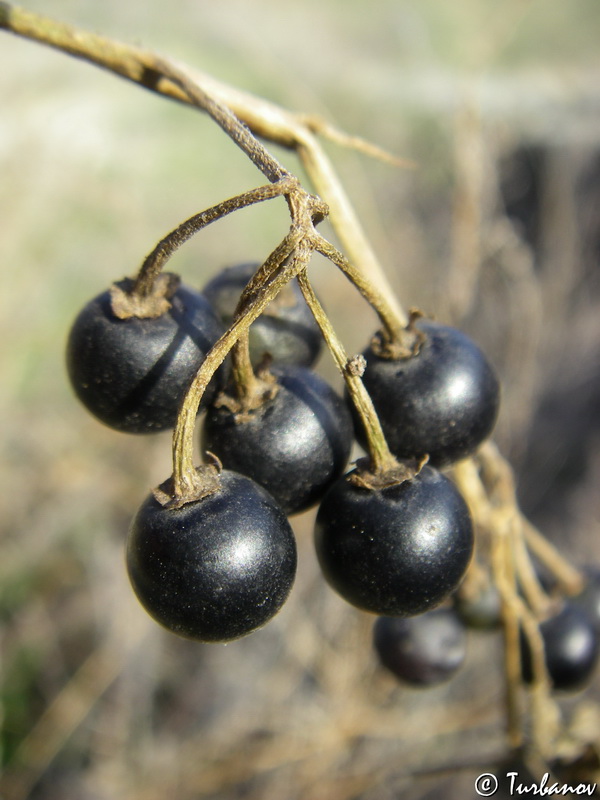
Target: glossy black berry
[397, 551]
[216, 569]
[286, 330]
[295, 444]
[424, 650]
[571, 648]
[132, 374]
[443, 401]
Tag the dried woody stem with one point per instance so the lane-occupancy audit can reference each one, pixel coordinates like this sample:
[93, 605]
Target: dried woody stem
[487, 484]
[263, 118]
[149, 294]
[188, 482]
[163, 76]
[155, 260]
[382, 461]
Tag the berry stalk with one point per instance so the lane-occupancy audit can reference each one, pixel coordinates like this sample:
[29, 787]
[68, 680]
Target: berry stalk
[382, 461]
[394, 332]
[186, 481]
[155, 261]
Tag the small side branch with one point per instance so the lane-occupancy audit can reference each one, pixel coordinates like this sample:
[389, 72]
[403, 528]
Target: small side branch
[264, 119]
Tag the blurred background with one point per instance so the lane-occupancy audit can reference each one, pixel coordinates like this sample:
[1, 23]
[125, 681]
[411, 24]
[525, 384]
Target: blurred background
[496, 229]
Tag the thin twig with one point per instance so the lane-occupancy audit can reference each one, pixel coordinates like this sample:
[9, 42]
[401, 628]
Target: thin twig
[263, 118]
[494, 506]
[184, 473]
[155, 261]
[381, 458]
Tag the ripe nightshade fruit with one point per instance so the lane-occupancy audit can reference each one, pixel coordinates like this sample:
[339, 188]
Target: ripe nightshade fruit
[286, 330]
[571, 648]
[295, 444]
[132, 374]
[443, 401]
[397, 551]
[424, 650]
[215, 569]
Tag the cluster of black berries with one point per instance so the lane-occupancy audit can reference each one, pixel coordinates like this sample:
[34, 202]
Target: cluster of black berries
[396, 544]
[221, 566]
[430, 648]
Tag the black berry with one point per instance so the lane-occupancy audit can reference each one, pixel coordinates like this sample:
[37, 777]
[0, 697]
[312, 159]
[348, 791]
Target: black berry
[443, 401]
[295, 444]
[286, 330]
[132, 374]
[397, 551]
[424, 650]
[216, 569]
[571, 648]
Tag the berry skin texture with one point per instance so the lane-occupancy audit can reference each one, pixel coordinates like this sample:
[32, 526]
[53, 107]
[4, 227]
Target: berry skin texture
[286, 330]
[442, 402]
[571, 646]
[216, 569]
[398, 551]
[424, 650]
[295, 445]
[132, 374]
